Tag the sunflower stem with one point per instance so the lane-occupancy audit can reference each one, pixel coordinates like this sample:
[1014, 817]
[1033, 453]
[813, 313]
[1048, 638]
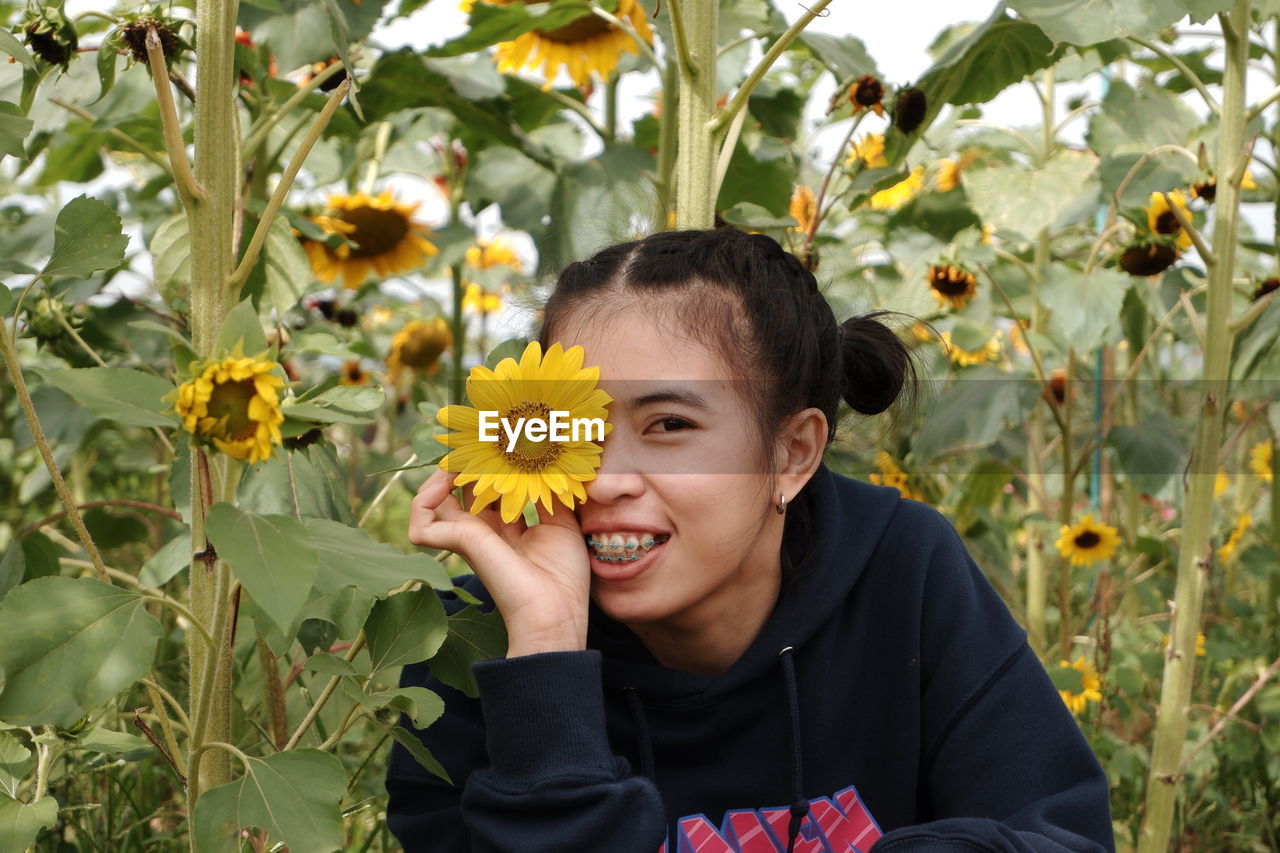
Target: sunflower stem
[189, 189]
[683, 56]
[1206, 254]
[696, 155]
[1195, 554]
[668, 128]
[1184, 69]
[380, 139]
[323, 698]
[459, 331]
[69, 502]
[258, 132]
[237, 279]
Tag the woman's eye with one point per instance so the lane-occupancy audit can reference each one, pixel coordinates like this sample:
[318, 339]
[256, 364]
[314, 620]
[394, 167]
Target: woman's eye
[671, 424]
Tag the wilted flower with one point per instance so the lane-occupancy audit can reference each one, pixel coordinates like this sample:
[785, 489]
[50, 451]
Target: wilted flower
[234, 403]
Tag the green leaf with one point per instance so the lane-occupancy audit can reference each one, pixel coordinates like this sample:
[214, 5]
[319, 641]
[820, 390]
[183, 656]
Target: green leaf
[15, 761]
[989, 60]
[71, 644]
[351, 398]
[405, 628]
[33, 556]
[86, 238]
[173, 557]
[845, 56]
[293, 795]
[20, 822]
[243, 327]
[473, 635]
[308, 411]
[420, 753]
[14, 127]
[423, 706]
[512, 348]
[348, 557]
[108, 59]
[111, 742]
[6, 298]
[297, 32]
[330, 664]
[171, 261]
[271, 556]
[489, 24]
[1136, 120]
[977, 407]
[1148, 455]
[763, 176]
[10, 45]
[1085, 306]
[1025, 201]
[1085, 22]
[1067, 678]
[119, 394]
[285, 265]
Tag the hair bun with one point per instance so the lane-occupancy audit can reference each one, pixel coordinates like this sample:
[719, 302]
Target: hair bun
[876, 363]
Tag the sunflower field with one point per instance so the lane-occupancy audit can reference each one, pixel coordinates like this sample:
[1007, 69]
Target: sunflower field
[249, 252]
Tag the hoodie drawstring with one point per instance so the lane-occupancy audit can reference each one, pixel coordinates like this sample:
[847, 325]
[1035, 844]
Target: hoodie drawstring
[643, 743]
[799, 805]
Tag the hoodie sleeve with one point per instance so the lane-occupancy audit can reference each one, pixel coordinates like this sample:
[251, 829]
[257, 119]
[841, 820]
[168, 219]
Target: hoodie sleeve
[1005, 766]
[536, 772]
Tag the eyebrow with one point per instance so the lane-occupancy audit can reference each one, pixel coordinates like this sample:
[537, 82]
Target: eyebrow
[682, 396]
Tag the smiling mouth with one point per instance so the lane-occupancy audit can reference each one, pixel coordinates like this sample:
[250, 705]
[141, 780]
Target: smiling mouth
[622, 547]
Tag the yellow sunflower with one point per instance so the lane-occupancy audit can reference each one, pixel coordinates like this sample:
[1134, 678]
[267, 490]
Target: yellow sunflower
[481, 301]
[585, 46]
[233, 403]
[804, 208]
[990, 351]
[890, 474]
[1087, 542]
[1090, 687]
[1221, 482]
[1243, 521]
[534, 466]
[947, 177]
[1162, 220]
[869, 150]
[353, 373]
[382, 239]
[952, 285]
[493, 253]
[418, 346]
[900, 193]
[1260, 460]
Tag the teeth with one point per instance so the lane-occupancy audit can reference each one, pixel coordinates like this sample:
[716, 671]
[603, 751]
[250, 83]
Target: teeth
[619, 547]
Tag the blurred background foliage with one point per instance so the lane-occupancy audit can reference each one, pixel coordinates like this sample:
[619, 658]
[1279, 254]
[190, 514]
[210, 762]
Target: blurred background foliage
[1056, 295]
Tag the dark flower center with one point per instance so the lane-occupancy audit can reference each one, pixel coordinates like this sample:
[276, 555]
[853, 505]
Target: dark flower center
[530, 455]
[950, 281]
[231, 400]
[1088, 539]
[377, 231]
[1148, 258]
[575, 31]
[1167, 223]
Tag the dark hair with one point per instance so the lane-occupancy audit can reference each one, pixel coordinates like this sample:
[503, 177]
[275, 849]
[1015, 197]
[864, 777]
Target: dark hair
[775, 324]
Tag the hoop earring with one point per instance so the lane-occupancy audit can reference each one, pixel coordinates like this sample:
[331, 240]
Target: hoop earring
[782, 504]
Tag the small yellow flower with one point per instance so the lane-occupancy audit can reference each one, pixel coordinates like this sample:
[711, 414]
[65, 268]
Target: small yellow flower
[891, 475]
[535, 470]
[1164, 641]
[1260, 460]
[990, 351]
[900, 193]
[353, 373]
[481, 301]
[1243, 521]
[947, 177]
[1162, 220]
[869, 150]
[804, 208]
[1221, 482]
[418, 346]
[233, 403]
[1091, 687]
[494, 253]
[1087, 542]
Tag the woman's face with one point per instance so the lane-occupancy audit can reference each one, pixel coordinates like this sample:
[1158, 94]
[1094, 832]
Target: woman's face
[680, 523]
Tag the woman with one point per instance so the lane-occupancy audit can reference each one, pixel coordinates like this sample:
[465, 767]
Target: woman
[796, 661]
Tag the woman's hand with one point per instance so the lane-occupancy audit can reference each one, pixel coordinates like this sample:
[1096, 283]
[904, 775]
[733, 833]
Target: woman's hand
[540, 576]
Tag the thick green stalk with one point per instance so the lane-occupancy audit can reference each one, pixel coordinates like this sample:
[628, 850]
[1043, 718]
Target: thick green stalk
[1195, 555]
[211, 224]
[1037, 580]
[696, 112]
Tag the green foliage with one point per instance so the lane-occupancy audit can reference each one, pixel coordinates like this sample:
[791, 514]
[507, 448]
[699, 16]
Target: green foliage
[270, 555]
[86, 238]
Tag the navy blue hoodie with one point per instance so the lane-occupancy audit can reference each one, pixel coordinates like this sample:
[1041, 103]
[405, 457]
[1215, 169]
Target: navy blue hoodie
[890, 702]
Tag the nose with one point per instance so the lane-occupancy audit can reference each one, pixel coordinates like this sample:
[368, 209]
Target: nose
[619, 475]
